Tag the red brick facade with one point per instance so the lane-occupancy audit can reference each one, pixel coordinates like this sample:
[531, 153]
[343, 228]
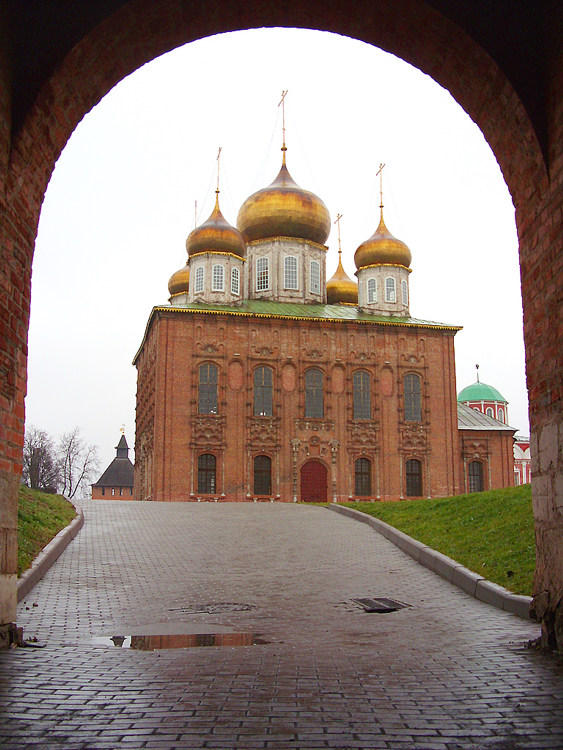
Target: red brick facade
[525, 131]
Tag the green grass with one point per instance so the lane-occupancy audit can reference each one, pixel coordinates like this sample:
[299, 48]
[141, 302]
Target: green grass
[491, 533]
[40, 517]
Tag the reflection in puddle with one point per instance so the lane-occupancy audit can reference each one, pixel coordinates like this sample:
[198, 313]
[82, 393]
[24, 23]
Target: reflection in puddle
[192, 640]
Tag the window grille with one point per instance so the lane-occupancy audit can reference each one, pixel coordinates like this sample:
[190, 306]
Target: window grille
[218, 279]
[362, 395]
[263, 392]
[262, 274]
[390, 293]
[414, 478]
[290, 273]
[235, 281]
[208, 378]
[315, 277]
[262, 475]
[405, 292]
[412, 401]
[362, 471]
[372, 290]
[198, 285]
[475, 476]
[206, 474]
[314, 400]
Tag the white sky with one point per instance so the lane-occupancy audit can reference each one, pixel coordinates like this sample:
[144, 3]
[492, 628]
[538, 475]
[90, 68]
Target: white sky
[120, 205]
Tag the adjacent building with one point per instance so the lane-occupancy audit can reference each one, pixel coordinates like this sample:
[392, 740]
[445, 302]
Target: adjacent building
[118, 479]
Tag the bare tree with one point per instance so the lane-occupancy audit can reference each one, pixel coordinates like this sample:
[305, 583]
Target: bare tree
[78, 464]
[40, 464]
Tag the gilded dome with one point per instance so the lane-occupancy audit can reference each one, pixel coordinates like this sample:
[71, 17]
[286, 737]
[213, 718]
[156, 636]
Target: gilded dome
[382, 247]
[216, 235]
[341, 288]
[283, 209]
[180, 281]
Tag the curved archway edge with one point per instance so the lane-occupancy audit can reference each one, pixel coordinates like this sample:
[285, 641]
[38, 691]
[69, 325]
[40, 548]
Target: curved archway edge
[142, 30]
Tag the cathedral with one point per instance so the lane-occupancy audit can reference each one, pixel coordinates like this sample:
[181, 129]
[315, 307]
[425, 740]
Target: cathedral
[262, 381]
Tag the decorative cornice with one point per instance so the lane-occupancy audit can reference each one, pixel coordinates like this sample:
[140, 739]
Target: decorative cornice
[298, 240]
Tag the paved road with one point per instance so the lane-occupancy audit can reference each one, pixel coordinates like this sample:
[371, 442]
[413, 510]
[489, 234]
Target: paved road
[447, 672]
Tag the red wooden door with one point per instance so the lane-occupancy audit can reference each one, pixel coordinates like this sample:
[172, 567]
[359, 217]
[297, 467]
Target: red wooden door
[314, 483]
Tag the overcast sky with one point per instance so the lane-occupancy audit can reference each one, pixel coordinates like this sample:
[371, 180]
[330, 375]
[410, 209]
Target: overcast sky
[120, 205]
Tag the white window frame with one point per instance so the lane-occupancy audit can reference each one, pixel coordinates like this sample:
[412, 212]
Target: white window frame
[290, 273]
[199, 280]
[390, 289]
[315, 281]
[372, 290]
[262, 274]
[235, 282]
[218, 278]
[405, 292]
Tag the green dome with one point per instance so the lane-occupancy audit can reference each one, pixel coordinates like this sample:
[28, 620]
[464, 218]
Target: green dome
[480, 392]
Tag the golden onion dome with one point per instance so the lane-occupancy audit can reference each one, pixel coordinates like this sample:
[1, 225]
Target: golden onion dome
[283, 209]
[382, 247]
[341, 288]
[180, 281]
[216, 235]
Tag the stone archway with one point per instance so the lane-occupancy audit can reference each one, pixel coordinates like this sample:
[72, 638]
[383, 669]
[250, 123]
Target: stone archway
[526, 142]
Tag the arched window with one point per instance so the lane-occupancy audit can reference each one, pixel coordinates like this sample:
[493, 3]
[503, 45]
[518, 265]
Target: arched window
[390, 292]
[315, 277]
[405, 292]
[414, 478]
[262, 475]
[489, 412]
[413, 412]
[314, 402]
[372, 290]
[362, 395]
[207, 388]
[235, 281]
[475, 476]
[500, 414]
[218, 278]
[263, 380]
[206, 472]
[290, 272]
[199, 277]
[362, 471]
[262, 274]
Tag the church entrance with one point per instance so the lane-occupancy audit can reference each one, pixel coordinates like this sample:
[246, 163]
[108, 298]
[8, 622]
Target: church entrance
[314, 482]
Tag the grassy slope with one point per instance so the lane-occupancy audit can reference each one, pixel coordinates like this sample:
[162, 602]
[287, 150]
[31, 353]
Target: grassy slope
[491, 533]
[40, 517]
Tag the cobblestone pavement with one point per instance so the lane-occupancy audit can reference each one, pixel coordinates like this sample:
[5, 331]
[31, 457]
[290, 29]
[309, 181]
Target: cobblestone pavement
[447, 672]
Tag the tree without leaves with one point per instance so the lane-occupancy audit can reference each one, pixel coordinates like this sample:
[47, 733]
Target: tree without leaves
[40, 462]
[78, 464]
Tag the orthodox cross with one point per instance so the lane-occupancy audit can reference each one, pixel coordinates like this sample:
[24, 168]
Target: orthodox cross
[123, 429]
[337, 221]
[282, 105]
[195, 215]
[218, 165]
[380, 173]
[477, 368]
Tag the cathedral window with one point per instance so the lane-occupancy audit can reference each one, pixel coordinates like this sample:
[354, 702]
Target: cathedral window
[314, 400]
[262, 475]
[235, 281]
[263, 381]
[198, 285]
[362, 395]
[390, 293]
[315, 277]
[405, 292]
[414, 478]
[206, 474]
[475, 476]
[290, 272]
[372, 290]
[412, 401]
[362, 473]
[218, 279]
[208, 378]
[262, 274]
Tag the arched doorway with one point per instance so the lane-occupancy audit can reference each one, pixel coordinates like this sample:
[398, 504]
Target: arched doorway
[314, 482]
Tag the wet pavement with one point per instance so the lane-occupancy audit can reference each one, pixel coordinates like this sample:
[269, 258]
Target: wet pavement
[260, 641]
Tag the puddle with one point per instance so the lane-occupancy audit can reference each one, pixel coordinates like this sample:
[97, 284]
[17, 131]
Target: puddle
[214, 608]
[190, 640]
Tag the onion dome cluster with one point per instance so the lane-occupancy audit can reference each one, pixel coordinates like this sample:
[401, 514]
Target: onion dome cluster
[216, 235]
[283, 209]
[382, 248]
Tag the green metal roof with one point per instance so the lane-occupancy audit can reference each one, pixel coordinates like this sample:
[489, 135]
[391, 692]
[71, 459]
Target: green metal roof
[480, 392]
[265, 308]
